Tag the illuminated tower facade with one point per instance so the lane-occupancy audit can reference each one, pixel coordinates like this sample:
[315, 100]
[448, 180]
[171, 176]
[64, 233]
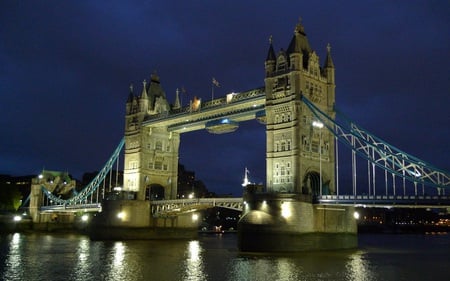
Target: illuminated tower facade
[151, 153]
[300, 152]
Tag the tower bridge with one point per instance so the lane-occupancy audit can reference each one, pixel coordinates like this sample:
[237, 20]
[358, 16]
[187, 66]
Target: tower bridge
[303, 205]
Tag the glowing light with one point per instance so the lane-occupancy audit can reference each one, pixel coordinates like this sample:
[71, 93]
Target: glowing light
[191, 195]
[17, 218]
[194, 217]
[117, 188]
[356, 215]
[285, 210]
[317, 124]
[85, 217]
[121, 215]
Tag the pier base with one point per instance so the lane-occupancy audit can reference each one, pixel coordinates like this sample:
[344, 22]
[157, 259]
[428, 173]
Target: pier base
[291, 223]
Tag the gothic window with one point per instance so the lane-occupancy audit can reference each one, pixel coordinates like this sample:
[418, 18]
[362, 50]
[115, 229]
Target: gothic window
[158, 165]
[281, 63]
[282, 118]
[288, 145]
[283, 146]
[315, 146]
[165, 167]
[276, 118]
[158, 145]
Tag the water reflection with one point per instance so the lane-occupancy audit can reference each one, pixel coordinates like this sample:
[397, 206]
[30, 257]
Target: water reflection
[70, 257]
[14, 259]
[82, 267]
[194, 267]
[287, 270]
[116, 270]
[358, 268]
[265, 268]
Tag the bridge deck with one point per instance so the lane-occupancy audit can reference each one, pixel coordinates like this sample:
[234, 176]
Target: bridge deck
[383, 201]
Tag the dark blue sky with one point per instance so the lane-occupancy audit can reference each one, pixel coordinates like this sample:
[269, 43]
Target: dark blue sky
[66, 66]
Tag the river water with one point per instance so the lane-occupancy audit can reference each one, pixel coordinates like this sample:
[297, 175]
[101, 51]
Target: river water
[215, 257]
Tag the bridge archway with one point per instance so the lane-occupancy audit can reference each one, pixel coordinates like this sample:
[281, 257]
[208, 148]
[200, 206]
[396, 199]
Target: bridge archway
[311, 184]
[154, 192]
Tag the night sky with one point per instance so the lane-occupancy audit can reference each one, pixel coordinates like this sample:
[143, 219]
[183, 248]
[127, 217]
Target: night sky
[66, 67]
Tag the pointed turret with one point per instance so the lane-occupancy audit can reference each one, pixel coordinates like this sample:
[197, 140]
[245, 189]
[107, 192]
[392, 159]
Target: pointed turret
[130, 95]
[270, 60]
[299, 49]
[328, 60]
[143, 102]
[129, 100]
[329, 66]
[144, 90]
[299, 42]
[177, 103]
[271, 52]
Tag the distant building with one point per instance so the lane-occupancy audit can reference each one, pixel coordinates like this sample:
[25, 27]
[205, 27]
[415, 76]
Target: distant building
[188, 186]
[22, 183]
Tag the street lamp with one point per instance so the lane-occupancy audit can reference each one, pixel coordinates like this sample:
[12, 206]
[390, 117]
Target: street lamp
[319, 125]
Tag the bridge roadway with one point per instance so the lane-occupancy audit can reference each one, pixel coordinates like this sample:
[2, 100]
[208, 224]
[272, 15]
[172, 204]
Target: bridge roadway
[173, 207]
[167, 208]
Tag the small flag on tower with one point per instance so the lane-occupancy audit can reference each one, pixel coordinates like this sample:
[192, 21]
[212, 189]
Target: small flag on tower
[215, 82]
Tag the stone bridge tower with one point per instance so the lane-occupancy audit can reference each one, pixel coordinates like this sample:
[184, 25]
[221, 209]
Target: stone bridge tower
[300, 152]
[151, 153]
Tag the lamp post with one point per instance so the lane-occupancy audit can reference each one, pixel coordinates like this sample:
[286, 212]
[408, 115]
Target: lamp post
[319, 125]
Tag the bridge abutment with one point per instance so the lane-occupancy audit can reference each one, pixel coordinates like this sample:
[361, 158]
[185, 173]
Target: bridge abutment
[132, 219]
[291, 222]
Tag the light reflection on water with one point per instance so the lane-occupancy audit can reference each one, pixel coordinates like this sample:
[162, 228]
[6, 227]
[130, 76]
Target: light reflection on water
[74, 257]
[14, 259]
[194, 262]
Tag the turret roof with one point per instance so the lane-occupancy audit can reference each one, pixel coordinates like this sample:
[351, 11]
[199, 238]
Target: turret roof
[299, 42]
[271, 52]
[328, 60]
